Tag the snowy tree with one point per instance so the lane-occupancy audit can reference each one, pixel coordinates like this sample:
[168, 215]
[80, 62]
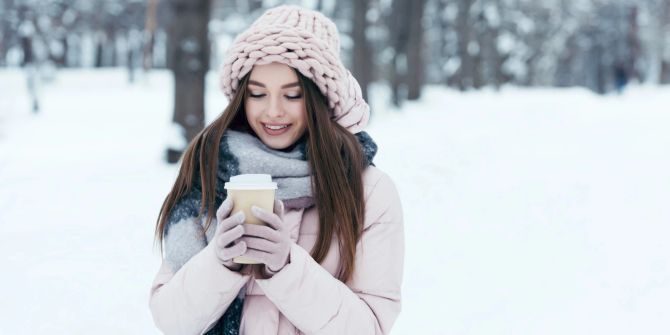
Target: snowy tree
[190, 62]
[362, 53]
[407, 64]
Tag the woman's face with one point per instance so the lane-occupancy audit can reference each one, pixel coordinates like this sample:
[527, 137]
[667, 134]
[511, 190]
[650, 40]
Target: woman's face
[275, 106]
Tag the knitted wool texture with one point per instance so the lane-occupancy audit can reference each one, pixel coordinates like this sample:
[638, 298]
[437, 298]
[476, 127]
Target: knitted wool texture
[307, 41]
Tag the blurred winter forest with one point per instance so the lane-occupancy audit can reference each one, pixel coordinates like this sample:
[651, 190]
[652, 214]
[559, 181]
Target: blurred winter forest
[405, 44]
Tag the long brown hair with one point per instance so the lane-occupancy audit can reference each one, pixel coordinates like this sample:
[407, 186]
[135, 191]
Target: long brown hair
[334, 156]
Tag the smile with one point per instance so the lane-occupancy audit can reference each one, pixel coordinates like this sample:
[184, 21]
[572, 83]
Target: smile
[275, 129]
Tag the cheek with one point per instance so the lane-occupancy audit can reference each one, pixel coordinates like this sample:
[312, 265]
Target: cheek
[298, 111]
[252, 109]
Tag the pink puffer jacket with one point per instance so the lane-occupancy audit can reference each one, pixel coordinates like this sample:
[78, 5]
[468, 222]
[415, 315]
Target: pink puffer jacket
[304, 297]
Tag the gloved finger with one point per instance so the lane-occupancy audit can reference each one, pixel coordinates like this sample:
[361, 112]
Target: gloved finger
[260, 244]
[271, 219]
[228, 237]
[264, 232]
[238, 249]
[224, 210]
[279, 208]
[230, 222]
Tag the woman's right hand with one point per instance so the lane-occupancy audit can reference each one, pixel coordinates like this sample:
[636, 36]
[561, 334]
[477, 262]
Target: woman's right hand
[228, 230]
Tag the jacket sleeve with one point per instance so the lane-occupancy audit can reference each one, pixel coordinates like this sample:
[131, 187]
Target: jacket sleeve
[192, 289]
[191, 300]
[318, 303]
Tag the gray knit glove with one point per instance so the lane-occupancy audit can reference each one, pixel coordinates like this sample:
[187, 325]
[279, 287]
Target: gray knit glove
[228, 230]
[269, 244]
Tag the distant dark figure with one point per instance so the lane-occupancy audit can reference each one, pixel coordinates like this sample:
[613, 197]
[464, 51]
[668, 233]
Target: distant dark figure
[30, 64]
[620, 77]
[32, 76]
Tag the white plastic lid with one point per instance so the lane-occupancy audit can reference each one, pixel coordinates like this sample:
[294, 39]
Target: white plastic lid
[251, 182]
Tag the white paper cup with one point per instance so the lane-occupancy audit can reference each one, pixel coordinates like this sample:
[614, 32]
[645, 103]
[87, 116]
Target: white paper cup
[248, 190]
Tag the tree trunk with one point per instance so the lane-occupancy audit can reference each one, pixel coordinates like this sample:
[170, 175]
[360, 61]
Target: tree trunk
[149, 35]
[478, 80]
[442, 55]
[27, 48]
[665, 72]
[255, 5]
[415, 59]
[110, 47]
[664, 75]
[497, 59]
[463, 29]
[133, 47]
[633, 41]
[190, 64]
[60, 59]
[399, 28]
[98, 50]
[362, 64]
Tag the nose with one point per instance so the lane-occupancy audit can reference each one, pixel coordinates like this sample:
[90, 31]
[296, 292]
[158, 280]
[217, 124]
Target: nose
[275, 108]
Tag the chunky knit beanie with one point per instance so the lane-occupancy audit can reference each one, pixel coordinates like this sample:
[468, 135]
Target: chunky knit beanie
[307, 41]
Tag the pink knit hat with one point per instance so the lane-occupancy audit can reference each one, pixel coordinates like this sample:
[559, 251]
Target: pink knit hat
[307, 41]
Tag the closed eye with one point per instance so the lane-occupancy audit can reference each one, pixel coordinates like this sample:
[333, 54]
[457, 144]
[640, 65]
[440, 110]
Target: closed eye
[290, 97]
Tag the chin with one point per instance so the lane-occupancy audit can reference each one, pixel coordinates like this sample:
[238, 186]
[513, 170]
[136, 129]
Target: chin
[277, 145]
[276, 142]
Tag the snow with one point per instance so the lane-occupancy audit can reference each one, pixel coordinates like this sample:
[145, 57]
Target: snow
[527, 211]
[505, 42]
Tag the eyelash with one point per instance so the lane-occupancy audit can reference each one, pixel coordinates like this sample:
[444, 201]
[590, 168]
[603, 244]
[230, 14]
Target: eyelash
[287, 96]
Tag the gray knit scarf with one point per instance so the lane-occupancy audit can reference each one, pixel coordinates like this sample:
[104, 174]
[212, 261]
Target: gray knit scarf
[289, 169]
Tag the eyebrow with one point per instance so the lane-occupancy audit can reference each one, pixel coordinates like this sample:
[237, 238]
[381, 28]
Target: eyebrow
[253, 82]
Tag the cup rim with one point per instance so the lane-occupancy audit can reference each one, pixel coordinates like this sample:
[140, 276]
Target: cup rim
[250, 186]
[262, 182]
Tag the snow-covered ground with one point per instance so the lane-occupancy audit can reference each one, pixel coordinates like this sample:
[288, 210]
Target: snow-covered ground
[528, 211]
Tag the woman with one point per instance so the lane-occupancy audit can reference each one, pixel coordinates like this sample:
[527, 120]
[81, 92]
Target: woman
[332, 252]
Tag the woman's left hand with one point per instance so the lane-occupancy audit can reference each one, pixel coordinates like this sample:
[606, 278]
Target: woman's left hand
[269, 244]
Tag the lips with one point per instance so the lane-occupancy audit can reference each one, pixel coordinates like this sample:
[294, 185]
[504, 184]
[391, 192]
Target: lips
[275, 128]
